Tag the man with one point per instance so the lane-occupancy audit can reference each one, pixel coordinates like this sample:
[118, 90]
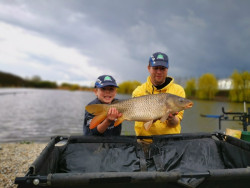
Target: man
[159, 82]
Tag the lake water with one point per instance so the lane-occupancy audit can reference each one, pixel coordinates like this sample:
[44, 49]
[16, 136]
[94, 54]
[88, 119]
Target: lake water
[38, 114]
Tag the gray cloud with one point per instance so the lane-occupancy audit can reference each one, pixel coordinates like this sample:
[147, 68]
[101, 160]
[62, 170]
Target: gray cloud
[119, 36]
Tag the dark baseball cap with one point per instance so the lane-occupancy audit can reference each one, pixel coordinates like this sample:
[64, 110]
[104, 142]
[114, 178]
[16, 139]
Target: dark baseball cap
[105, 80]
[158, 59]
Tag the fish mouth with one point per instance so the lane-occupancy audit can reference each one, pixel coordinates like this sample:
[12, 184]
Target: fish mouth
[189, 105]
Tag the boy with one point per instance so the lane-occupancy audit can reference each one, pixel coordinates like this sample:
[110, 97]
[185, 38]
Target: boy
[105, 91]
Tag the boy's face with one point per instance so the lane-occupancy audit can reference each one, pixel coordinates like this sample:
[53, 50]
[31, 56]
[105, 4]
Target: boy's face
[106, 94]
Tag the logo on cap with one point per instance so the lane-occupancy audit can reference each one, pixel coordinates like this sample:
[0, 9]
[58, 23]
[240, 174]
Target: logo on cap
[107, 78]
[160, 56]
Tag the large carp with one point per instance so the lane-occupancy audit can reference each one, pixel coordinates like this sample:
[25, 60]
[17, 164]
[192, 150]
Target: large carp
[148, 109]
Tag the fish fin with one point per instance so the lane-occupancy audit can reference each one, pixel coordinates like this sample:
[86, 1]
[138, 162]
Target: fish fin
[119, 121]
[148, 124]
[95, 109]
[97, 120]
[164, 118]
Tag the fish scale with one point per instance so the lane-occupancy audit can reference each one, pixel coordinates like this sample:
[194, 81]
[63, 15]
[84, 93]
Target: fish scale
[143, 110]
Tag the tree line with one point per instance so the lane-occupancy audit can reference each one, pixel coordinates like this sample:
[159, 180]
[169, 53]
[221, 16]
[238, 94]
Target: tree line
[204, 88]
[11, 80]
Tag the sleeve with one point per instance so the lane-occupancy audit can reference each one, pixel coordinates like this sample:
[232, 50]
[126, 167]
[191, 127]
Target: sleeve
[138, 91]
[134, 93]
[181, 93]
[87, 120]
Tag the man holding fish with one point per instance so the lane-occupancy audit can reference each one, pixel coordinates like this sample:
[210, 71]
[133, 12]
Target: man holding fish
[157, 105]
[158, 82]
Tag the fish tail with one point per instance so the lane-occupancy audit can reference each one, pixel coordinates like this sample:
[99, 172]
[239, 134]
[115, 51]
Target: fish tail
[100, 113]
[97, 120]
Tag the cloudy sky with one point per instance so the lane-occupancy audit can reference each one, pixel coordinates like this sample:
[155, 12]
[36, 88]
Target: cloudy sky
[76, 41]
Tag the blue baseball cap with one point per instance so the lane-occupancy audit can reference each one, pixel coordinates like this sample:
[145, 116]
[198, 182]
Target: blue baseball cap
[158, 59]
[105, 80]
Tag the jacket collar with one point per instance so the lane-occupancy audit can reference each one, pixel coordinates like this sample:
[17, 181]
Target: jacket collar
[151, 89]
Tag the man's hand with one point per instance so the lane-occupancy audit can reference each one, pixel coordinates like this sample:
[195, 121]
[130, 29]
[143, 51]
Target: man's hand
[173, 120]
[171, 116]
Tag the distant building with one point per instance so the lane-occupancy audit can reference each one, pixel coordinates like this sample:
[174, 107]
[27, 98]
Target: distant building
[225, 84]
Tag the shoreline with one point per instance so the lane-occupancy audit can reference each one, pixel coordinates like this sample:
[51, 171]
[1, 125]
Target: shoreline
[15, 160]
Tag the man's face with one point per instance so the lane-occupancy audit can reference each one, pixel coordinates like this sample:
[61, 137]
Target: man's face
[158, 74]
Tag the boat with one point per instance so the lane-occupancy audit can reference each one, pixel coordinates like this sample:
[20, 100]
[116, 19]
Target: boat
[179, 160]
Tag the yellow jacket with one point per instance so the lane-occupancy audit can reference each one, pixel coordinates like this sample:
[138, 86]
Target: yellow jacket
[158, 128]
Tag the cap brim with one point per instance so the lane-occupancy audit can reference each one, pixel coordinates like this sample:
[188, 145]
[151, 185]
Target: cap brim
[159, 63]
[107, 84]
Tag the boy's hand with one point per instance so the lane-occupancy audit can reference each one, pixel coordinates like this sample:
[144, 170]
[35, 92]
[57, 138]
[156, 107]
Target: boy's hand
[113, 114]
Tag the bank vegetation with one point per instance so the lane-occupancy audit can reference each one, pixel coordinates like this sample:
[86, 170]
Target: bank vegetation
[204, 88]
